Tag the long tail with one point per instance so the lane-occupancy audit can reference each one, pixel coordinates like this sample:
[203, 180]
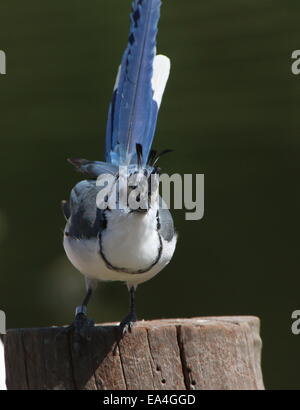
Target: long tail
[139, 87]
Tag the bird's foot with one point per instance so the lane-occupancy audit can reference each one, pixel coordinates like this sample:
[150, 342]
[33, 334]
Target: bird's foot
[80, 328]
[124, 327]
[127, 323]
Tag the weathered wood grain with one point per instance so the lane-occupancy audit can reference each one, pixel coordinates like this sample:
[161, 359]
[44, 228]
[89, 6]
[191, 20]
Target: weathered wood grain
[169, 354]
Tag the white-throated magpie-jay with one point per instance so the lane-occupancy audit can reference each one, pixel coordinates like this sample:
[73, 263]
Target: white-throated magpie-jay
[124, 243]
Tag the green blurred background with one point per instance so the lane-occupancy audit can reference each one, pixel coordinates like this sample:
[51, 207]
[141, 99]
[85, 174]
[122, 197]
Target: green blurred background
[230, 111]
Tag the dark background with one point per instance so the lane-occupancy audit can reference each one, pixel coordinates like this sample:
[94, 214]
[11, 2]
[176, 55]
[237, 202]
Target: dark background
[230, 111]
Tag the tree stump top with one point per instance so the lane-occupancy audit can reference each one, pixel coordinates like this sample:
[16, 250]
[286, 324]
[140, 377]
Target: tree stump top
[186, 354]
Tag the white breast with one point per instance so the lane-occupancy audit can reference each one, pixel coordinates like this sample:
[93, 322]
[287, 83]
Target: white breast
[126, 243]
[131, 242]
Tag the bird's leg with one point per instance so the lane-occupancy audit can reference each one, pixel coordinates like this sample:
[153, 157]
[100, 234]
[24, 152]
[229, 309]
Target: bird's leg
[80, 327]
[81, 323]
[128, 322]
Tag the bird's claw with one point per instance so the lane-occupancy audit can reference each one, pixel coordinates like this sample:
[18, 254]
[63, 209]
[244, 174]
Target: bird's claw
[79, 330]
[81, 327]
[127, 323]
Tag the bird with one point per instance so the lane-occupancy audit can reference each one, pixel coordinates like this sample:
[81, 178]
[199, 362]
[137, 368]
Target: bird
[130, 244]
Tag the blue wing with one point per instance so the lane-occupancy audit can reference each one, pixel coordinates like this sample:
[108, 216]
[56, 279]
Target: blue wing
[141, 80]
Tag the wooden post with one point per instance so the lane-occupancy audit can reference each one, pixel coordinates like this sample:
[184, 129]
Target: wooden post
[197, 353]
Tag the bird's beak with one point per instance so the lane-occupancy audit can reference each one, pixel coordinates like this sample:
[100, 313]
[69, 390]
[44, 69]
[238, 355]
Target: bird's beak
[142, 211]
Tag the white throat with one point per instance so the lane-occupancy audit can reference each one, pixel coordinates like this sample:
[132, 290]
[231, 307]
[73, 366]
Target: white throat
[131, 241]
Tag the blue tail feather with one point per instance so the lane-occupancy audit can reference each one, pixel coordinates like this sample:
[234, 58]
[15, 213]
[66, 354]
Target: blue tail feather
[133, 111]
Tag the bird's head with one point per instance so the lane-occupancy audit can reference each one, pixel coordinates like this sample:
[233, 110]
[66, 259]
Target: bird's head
[132, 189]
